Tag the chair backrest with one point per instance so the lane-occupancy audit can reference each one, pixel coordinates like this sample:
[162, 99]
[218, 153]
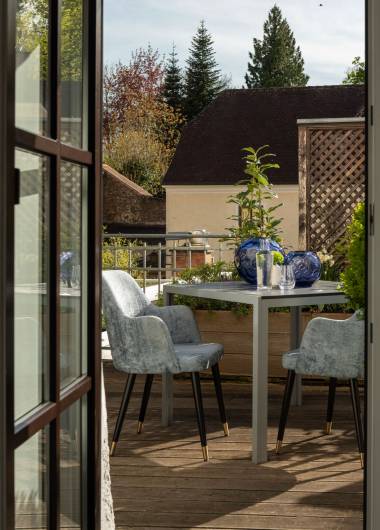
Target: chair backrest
[123, 292]
[136, 346]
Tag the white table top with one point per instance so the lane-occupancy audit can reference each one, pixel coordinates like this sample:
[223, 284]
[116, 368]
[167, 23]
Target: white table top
[242, 292]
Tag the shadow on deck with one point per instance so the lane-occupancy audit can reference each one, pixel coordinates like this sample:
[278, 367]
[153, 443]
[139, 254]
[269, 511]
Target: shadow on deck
[159, 479]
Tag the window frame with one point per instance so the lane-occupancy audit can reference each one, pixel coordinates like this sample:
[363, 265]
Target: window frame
[13, 435]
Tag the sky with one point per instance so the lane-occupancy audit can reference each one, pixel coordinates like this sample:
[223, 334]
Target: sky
[330, 35]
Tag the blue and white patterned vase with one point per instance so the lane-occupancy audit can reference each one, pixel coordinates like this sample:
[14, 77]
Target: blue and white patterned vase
[306, 266]
[245, 258]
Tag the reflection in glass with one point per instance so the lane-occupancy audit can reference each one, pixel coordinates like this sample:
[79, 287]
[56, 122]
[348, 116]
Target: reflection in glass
[72, 440]
[31, 482]
[72, 72]
[73, 187]
[30, 263]
[32, 65]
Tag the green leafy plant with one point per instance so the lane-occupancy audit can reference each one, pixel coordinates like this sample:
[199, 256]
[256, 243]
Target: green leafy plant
[278, 258]
[117, 254]
[256, 218]
[216, 272]
[353, 277]
[356, 74]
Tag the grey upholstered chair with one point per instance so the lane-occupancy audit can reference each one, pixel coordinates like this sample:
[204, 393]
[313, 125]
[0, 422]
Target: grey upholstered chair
[333, 349]
[147, 339]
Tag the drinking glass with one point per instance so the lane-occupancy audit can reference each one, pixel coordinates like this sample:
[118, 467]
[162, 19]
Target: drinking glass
[288, 280]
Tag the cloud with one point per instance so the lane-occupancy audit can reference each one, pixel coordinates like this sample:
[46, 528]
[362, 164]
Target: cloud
[329, 36]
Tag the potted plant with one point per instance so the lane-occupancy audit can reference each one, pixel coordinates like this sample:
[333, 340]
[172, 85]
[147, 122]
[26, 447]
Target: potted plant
[255, 220]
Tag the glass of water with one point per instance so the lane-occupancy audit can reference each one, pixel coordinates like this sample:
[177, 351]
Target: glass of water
[288, 280]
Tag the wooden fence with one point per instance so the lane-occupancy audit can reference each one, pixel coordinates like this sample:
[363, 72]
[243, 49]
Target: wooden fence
[331, 179]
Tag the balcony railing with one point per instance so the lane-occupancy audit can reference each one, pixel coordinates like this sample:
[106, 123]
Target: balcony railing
[155, 259]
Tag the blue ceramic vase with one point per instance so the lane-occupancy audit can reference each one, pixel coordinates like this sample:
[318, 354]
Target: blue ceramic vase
[306, 266]
[245, 258]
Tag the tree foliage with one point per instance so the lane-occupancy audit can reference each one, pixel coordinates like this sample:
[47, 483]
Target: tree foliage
[203, 79]
[255, 202]
[32, 32]
[141, 130]
[173, 82]
[356, 74]
[353, 278]
[276, 60]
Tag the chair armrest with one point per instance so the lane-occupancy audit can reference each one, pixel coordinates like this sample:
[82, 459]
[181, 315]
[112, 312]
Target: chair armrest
[142, 345]
[333, 347]
[180, 321]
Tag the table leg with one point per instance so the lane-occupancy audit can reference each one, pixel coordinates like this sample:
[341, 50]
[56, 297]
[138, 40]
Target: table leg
[260, 382]
[295, 338]
[167, 386]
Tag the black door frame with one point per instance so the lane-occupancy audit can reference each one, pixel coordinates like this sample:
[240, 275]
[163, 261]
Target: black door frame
[89, 384]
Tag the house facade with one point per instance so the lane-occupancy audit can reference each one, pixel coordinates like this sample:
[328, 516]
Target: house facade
[208, 162]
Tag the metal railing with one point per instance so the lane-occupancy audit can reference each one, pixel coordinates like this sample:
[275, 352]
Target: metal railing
[154, 259]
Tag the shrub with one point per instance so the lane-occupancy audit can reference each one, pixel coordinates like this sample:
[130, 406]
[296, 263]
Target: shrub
[117, 255]
[353, 277]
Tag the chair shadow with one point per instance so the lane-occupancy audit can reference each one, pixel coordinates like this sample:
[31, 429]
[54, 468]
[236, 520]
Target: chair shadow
[160, 479]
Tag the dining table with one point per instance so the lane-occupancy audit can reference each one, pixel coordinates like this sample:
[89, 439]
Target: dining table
[261, 301]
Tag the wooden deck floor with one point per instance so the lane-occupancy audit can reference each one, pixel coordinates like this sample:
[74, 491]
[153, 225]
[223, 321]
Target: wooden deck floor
[160, 481]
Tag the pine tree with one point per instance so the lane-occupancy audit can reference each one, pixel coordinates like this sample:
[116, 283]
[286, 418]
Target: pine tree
[173, 84]
[276, 60]
[203, 80]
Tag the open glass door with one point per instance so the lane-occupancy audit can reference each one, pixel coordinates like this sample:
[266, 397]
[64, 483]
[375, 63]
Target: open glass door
[51, 269]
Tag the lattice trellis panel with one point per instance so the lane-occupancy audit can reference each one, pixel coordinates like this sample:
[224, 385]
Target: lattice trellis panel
[332, 181]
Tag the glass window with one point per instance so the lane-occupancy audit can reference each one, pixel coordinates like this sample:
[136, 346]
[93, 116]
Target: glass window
[72, 73]
[31, 271]
[73, 442]
[73, 267]
[32, 65]
[31, 482]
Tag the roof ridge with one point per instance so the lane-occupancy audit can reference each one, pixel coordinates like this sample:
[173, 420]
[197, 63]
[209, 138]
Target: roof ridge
[125, 180]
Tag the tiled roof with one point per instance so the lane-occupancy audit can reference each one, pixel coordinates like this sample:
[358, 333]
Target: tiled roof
[209, 151]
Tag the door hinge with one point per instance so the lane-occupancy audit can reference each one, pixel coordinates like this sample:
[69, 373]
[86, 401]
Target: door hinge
[371, 114]
[17, 186]
[371, 332]
[371, 219]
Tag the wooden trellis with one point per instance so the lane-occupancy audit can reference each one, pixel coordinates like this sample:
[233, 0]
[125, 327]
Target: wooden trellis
[331, 179]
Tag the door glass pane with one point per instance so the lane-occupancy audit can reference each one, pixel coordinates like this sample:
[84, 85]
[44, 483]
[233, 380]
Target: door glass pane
[72, 72]
[73, 268]
[31, 270]
[31, 482]
[32, 65]
[73, 442]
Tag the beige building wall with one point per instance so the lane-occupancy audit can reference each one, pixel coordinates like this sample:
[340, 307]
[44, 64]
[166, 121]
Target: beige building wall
[191, 208]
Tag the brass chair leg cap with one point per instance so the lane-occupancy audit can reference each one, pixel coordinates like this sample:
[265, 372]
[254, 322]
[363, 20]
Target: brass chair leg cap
[278, 446]
[205, 452]
[113, 447]
[139, 427]
[226, 429]
[328, 427]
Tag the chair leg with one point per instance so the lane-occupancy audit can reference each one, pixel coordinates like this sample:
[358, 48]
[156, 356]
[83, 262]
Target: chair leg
[285, 408]
[123, 409]
[197, 392]
[219, 396]
[330, 404]
[355, 397]
[144, 403]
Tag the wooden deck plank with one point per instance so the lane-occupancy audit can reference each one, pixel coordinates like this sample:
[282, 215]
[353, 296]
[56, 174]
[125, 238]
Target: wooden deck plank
[160, 481]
